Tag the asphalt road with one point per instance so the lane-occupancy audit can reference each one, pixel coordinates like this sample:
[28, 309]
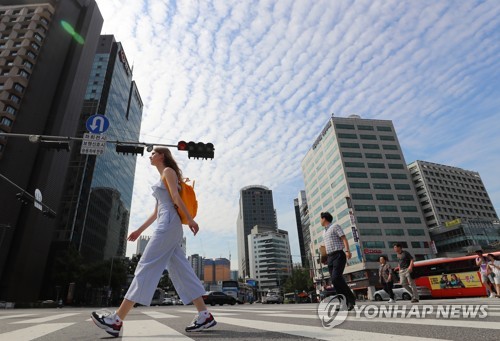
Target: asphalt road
[371, 321]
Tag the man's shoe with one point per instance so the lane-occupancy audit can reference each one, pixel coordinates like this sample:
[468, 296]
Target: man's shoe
[492, 295]
[414, 300]
[392, 301]
[201, 322]
[110, 322]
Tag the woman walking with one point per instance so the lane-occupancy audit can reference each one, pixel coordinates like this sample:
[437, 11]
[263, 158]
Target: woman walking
[163, 251]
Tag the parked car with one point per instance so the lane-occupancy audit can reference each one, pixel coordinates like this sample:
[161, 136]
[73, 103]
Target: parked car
[401, 293]
[168, 301]
[218, 297]
[273, 298]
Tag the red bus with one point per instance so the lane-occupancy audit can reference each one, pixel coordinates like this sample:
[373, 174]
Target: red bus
[451, 277]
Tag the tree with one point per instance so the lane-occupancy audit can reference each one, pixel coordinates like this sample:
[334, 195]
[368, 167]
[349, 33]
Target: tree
[299, 280]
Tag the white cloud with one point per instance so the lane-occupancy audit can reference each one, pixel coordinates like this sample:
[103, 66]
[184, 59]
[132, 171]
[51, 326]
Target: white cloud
[260, 79]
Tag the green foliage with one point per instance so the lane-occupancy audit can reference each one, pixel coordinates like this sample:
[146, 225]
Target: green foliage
[299, 280]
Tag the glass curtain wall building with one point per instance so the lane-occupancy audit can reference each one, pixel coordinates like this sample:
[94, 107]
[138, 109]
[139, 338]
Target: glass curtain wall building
[360, 161]
[98, 197]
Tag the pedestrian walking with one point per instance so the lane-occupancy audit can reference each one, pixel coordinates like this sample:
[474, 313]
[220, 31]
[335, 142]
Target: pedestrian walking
[163, 251]
[494, 265]
[485, 271]
[337, 249]
[405, 260]
[386, 278]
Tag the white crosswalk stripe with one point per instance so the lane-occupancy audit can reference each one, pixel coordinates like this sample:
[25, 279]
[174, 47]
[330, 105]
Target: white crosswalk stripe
[150, 330]
[293, 320]
[33, 332]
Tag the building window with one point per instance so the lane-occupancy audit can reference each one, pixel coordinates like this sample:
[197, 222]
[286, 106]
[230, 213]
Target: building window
[28, 64]
[393, 156]
[354, 164]
[387, 138]
[376, 165]
[394, 232]
[396, 166]
[10, 110]
[44, 21]
[403, 244]
[344, 126]
[371, 146]
[15, 99]
[6, 122]
[367, 137]
[391, 220]
[373, 155]
[381, 186]
[362, 196]
[24, 74]
[31, 55]
[408, 208]
[399, 176]
[401, 186]
[376, 245]
[389, 147]
[416, 232]
[359, 185]
[38, 37]
[412, 220]
[357, 175]
[353, 155]
[379, 175]
[405, 197]
[384, 196]
[388, 208]
[35, 46]
[349, 145]
[365, 208]
[363, 127]
[18, 87]
[384, 128]
[415, 244]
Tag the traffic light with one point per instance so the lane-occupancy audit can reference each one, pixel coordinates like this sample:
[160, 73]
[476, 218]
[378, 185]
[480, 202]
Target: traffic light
[49, 213]
[129, 149]
[197, 150]
[24, 198]
[57, 145]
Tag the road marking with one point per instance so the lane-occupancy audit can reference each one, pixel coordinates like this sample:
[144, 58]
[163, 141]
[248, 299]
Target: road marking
[150, 330]
[158, 315]
[33, 332]
[317, 332]
[216, 312]
[15, 316]
[47, 319]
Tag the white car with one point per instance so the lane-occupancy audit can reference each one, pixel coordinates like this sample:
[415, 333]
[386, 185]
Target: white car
[401, 293]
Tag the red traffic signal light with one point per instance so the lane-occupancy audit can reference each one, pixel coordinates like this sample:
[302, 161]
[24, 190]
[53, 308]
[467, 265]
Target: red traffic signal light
[197, 150]
[182, 145]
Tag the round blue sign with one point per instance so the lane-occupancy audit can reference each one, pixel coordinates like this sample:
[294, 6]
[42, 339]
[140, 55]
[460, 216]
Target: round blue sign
[97, 124]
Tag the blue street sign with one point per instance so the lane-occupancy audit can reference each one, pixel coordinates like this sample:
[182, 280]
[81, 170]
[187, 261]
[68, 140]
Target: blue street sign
[97, 124]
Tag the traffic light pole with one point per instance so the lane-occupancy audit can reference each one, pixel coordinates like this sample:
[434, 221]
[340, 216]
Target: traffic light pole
[46, 210]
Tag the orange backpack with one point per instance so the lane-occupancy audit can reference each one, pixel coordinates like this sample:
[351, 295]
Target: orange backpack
[188, 197]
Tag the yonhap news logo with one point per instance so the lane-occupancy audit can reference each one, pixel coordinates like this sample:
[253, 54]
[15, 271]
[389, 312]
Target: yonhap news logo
[332, 311]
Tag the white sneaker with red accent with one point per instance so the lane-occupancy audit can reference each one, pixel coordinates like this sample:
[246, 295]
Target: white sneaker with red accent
[110, 322]
[201, 321]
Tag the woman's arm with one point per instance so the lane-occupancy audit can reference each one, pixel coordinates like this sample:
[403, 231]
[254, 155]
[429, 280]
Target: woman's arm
[135, 234]
[171, 176]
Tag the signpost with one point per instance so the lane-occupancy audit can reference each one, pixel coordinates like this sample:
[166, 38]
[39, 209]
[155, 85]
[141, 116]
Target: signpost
[94, 142]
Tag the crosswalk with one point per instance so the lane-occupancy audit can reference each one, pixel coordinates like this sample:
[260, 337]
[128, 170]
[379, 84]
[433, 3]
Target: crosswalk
[296, 321]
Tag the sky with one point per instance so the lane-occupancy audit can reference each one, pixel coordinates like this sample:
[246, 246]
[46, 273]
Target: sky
[260, 79]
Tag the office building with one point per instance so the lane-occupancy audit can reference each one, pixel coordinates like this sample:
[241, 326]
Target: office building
[359, 163]
[447, 193]
[302, 219]
[43, 77]
[256, 208]
[270, 257]
[196, 262]
[216, 270]
[98, 194]
[142, 242]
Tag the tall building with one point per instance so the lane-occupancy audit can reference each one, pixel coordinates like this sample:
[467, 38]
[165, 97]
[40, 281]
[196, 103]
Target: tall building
[197, 264]
[256, 208]
[270, 257]
[43, 77]
[216, 270]
[456, 207]
[302, 219]
[447, 193]
[98, 194]
[142, 242]
[359, 162]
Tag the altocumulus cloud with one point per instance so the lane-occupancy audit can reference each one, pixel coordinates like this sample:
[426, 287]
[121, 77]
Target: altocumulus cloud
[260, 79]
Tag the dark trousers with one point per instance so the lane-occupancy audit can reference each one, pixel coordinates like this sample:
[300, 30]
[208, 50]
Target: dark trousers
[388, 288]
[336, 265]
